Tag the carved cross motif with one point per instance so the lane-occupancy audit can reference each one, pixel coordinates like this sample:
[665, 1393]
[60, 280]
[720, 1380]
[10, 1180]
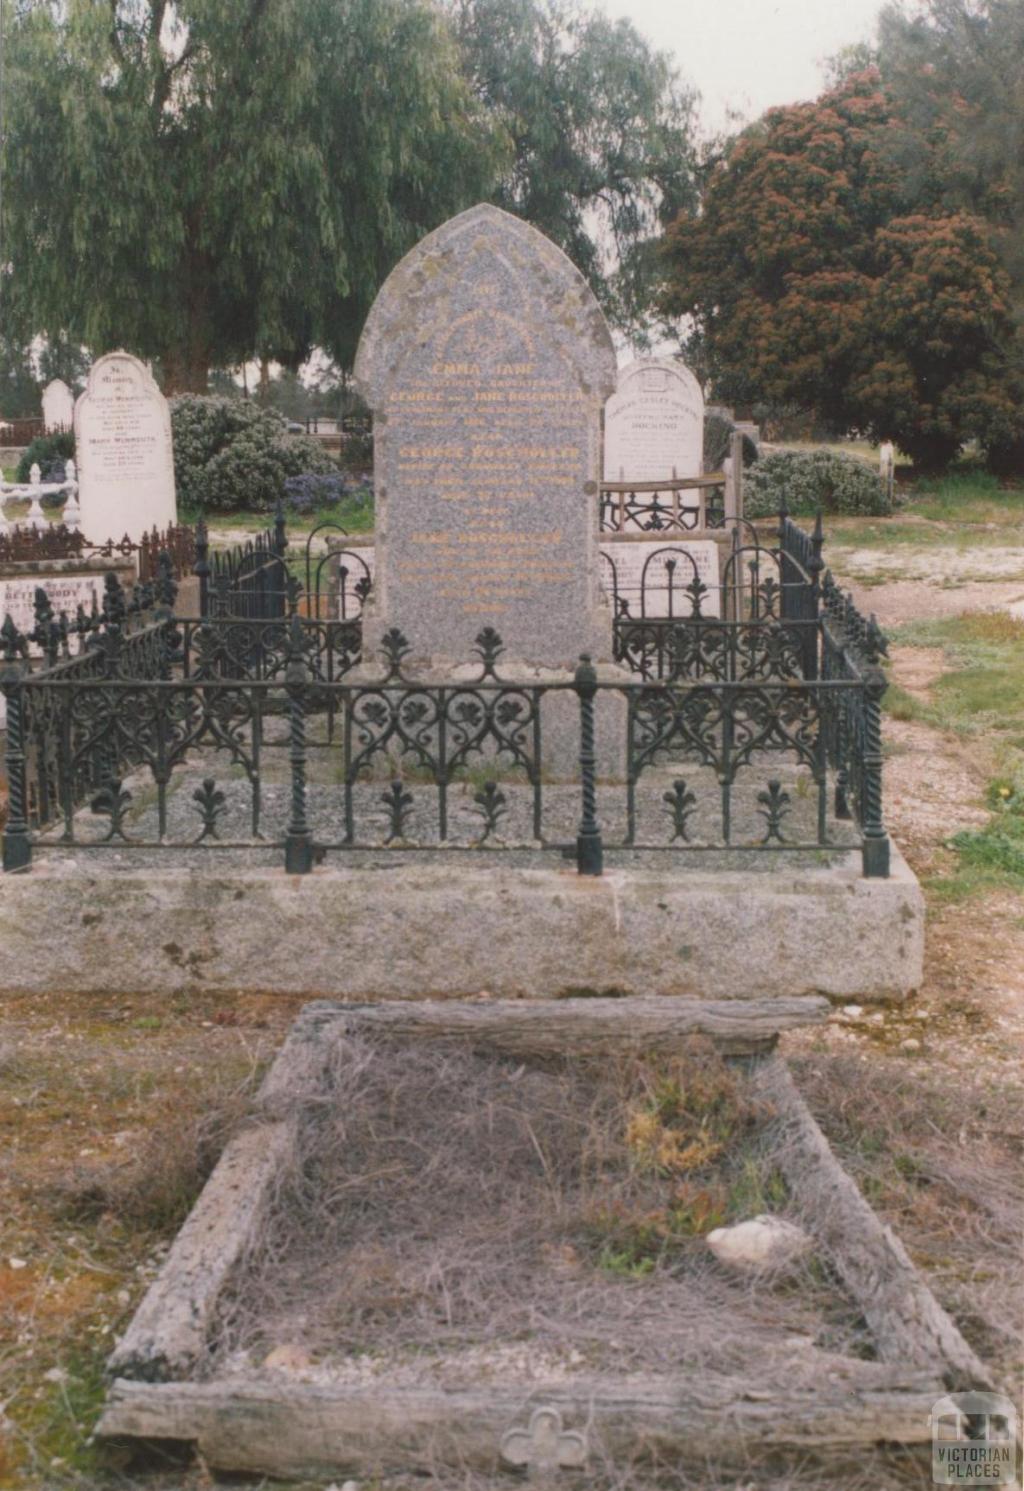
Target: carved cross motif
[544, 1447]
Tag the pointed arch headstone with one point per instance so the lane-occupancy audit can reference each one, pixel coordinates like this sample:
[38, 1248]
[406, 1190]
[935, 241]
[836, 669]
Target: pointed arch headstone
[486, 361]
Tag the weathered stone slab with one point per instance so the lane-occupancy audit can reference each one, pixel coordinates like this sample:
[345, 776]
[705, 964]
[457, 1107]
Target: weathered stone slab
[123, 449]
[431, 1412]
[444, 929]
[486, 361]
[654, 423]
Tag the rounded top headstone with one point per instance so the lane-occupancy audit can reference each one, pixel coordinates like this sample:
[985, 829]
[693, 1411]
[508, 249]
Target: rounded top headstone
[505, 260]
[654, 422]
[58, 405]
[124, 451]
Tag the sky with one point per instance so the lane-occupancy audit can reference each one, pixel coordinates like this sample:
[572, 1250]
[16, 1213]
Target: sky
[750, 54]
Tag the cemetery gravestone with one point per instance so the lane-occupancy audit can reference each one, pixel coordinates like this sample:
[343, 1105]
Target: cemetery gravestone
[486, 361]
[58, 406]
[123, 448]
[654, 431]
[887, 466]
[654, 423]
[652, 578]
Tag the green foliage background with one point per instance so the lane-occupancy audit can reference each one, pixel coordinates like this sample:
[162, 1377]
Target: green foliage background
[231, 454]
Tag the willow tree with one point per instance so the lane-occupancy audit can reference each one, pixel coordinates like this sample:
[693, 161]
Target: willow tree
[204, 180]
[601, 131]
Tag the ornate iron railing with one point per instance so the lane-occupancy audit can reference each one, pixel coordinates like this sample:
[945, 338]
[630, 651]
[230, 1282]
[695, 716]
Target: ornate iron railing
[259, 735]
[56, 541]
[250, 581]
[686, 505]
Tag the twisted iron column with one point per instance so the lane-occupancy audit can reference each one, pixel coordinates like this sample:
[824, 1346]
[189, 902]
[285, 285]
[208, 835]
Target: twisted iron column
[589, 849]
[17, 844]
[875, 852]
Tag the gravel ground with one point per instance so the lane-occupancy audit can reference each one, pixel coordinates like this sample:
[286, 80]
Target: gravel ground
[512, 840]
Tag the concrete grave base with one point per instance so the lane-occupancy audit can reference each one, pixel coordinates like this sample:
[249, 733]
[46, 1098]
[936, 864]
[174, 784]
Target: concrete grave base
[796, 1397]
[436, 926]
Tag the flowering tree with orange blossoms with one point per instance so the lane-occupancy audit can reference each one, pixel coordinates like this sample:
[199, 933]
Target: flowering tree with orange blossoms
[817, 284]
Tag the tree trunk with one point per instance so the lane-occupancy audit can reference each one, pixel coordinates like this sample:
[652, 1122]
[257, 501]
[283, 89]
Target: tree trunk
[186, 369]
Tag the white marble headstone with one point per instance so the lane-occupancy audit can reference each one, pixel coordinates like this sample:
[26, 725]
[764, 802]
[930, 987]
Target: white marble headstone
[123, 449]
[58, 406]
[653, 577]
[654, 423]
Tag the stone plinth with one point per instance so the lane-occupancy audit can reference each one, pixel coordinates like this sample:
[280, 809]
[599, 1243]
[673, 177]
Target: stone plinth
[451, 928]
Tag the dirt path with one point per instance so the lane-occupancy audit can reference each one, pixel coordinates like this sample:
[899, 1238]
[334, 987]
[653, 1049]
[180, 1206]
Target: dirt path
[900, 601]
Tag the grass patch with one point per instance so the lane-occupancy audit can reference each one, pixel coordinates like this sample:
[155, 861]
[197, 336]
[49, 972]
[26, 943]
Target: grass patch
[983, 689]
[981, 696]
[992, 857]
[354, 516]
[962, 510]
[968, 497]
[902, 706]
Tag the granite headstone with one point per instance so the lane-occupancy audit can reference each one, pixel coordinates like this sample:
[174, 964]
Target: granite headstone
[486, 361]
[124, 454]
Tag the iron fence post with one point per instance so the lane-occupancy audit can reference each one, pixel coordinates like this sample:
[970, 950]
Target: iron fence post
[589, 848]
[17, 844]
[298, 850]
[201, 568]
[875, 852]
[815, 565]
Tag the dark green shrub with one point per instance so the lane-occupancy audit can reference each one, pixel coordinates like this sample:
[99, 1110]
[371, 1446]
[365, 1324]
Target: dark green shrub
[232, 454]
[717, 435]
[809, 479]
[44, 452]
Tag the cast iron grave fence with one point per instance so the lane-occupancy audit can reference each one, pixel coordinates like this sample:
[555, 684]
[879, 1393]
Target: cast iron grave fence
[757, 731]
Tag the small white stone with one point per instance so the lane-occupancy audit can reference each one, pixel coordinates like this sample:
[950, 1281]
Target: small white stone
[55, 1374]
[17, 1263]
[853, 1011]
[761, 1242]
[910, 1044]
